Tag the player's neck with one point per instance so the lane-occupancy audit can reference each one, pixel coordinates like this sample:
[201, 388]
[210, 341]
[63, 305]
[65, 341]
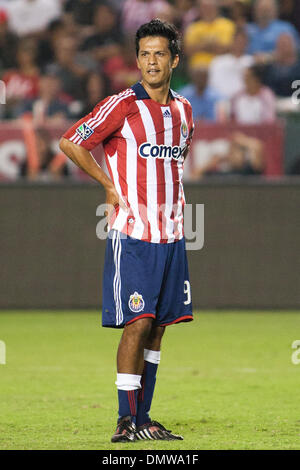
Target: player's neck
[160, 94]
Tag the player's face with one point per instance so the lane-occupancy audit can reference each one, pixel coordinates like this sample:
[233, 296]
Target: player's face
[155, 61]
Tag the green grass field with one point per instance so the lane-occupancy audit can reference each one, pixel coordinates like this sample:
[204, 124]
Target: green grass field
[226, 381]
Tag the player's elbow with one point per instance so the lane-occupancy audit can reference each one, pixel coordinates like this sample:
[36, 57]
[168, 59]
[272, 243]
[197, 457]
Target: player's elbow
[67, 147]
[63, 145]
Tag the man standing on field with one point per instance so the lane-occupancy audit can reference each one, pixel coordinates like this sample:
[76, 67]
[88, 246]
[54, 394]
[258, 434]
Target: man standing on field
[146, 131]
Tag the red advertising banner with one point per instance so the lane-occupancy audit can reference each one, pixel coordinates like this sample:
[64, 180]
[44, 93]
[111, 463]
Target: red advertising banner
[216, 139]
[16, 143]
[18, 148]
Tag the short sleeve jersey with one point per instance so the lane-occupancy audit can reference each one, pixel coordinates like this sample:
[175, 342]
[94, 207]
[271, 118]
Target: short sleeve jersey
[144, 143]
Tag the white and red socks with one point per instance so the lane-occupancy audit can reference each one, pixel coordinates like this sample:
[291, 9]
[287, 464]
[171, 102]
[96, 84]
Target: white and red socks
[128, 386]
[145, 394]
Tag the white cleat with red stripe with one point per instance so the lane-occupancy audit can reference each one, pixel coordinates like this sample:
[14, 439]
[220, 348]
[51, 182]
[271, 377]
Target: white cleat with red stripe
[155, 431]
[125, 431]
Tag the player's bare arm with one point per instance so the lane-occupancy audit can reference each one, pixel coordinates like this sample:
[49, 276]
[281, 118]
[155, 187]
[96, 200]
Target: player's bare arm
[85, 160]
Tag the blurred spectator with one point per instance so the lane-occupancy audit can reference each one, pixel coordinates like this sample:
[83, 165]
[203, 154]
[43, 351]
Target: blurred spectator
[289, 10]
[22, 81]
[204, 99]
[49, 107]
[121, 69]
[185, 12]
[51, 166]
[243, 156]
[81, 12]
[239, 12]
[107, 36]
[256, 103]
[263, 34]
[8, 43]
[208, 37]
[96, 89]
[71, 67]
[137, 12]
[46, 46]
[32, 16]
[285, 68]
[226, 71]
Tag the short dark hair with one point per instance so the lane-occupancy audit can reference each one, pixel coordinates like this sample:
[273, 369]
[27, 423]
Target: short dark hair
[159, 28]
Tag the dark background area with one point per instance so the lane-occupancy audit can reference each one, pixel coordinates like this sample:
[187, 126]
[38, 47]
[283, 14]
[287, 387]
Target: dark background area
[51, 257]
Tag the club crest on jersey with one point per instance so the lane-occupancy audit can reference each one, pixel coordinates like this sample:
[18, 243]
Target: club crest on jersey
[160, 151]
[84, 131]
[136, 303]
[184, 130]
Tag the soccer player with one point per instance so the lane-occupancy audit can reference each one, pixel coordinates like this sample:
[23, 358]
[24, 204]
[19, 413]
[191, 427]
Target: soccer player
[146, 131]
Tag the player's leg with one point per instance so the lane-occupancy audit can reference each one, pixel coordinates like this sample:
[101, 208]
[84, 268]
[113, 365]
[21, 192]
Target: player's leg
[174, 306]
[130, 366]
[148, 429]
[150, 365]
[131, 285]
[134, 339]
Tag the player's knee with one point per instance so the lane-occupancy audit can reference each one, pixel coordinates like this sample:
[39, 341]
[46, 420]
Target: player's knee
[141, 327]
[157, 331]
[155, 337]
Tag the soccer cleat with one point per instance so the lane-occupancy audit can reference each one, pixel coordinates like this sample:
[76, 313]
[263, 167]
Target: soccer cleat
[155, 431]
[125, 431]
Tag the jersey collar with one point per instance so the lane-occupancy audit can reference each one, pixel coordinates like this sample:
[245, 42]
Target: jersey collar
[141, 93]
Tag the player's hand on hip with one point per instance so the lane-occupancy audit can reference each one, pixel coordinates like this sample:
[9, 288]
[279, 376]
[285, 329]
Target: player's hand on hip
[113, 201]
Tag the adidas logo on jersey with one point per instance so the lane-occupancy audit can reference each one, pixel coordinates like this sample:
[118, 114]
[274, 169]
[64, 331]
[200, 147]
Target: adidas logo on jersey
[167, 114]
[160, 151]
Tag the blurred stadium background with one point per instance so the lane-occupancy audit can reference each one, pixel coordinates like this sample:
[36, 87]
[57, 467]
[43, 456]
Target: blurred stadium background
[241, 71]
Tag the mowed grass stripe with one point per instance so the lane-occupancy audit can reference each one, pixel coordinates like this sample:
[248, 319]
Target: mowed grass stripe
[226, 381]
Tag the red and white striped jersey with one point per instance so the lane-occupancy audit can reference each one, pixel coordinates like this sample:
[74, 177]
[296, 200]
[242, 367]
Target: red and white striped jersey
[145, 144]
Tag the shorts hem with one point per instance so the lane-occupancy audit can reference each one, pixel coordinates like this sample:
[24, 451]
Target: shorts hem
[184, 318]
[144, 315]
[112, 326]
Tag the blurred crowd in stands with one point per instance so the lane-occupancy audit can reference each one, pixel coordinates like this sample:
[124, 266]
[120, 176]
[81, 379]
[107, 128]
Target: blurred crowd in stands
[240, 61]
